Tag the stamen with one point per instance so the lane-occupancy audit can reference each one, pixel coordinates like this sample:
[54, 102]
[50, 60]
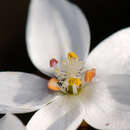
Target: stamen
[74, 84]
[93, 71]
[52, 84]
[71, 56]
[75, 91]
[53, 62]
[71, 81]
[89, 74]
[77, 82]
[70, 78]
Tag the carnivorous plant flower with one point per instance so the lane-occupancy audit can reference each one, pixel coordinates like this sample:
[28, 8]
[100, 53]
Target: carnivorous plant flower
[92, 87]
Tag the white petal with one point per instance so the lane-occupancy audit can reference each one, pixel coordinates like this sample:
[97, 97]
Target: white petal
[54, 28]
[112, 56]
[108, 103]
[22, 92]
[10, 122]
[63, 114]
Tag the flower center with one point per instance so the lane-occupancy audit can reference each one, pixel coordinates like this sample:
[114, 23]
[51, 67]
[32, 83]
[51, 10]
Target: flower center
[71, 75]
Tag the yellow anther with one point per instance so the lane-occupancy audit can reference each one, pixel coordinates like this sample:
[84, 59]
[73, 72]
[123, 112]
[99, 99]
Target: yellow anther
[72, 55]
[75, 81]
[71, 81]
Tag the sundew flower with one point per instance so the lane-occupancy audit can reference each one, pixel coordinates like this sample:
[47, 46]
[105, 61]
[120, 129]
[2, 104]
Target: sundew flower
[10, 122]
[71, 78]
[92, 87]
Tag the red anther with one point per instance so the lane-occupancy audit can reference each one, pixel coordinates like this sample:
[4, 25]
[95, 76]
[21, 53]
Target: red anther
[53, 62]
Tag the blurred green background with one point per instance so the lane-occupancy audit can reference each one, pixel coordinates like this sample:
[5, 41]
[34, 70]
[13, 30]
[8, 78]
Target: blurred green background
[105, 17]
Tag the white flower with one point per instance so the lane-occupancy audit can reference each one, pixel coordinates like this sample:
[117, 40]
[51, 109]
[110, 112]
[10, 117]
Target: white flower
[10, 122]
[56, 27]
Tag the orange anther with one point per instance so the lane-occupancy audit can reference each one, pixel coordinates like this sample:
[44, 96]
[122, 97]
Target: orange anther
[93, 71]
[89, 75]
[52, 84]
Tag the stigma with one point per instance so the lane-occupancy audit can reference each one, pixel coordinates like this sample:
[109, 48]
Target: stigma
[71, 75]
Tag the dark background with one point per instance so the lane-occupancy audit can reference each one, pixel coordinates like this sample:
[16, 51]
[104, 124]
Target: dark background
[104, 16]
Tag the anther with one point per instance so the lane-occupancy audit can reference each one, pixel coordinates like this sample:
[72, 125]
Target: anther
[89, 75]
[52, 84]
[75, 81]
[72, 55]
[53, 62]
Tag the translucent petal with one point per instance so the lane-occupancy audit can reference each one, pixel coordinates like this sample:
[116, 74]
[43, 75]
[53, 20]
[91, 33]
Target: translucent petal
[22, 92]
[107, 103]
[112, 56]
[63, 114]
[54, 28]
[10, 122]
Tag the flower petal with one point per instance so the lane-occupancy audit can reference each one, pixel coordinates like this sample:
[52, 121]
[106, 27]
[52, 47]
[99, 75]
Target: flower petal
[63, 114]
[10, 122]
[112, 56]
[54, 28]
[108, 104]
[22, 92]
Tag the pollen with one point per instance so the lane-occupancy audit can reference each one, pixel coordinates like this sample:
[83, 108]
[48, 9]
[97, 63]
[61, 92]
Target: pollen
[72, 55]
[77, 82]
[53, 62]
[73, 81]
[52, 84]
[89, 75]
